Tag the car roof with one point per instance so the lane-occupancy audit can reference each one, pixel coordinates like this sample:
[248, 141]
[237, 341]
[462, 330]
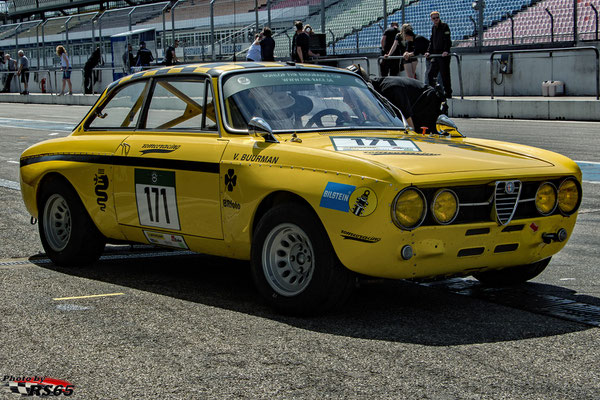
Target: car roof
[215, 69]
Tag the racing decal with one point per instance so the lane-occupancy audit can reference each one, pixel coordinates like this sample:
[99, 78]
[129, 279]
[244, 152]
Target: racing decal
[534, 227]
[101, 184]
[337, 196]
[156, 198]
[166, 239]
[363, 201]
[349, 143]
[159, 148]
[231, 204]
[230, 180]
[347, 198]
[359, 238]
[256, 158]
[124, 148]
[399, 153]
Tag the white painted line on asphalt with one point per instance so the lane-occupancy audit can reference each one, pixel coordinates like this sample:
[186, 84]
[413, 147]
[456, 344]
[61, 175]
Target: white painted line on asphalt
[88, 296]
[53, 134]
[10, 184]
[12, 161]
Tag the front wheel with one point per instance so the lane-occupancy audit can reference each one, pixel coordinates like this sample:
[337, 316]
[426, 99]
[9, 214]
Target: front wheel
[294, 265]
[513, 275]
[68, 234]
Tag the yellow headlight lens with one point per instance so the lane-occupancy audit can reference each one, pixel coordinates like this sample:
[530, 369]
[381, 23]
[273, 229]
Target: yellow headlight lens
[445, 206]
[545, 198]
[409, 208]
[568, 196]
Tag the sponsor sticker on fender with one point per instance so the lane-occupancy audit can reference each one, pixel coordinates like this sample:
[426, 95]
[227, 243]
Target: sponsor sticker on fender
[166, 239]
[360, 201]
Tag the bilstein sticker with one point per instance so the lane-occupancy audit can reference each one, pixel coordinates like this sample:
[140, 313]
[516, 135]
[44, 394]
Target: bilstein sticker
[166, 239]
[363, 202]
[347, 198]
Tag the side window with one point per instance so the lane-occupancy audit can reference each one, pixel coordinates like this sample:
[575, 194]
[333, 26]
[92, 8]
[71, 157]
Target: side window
[123, 109]
[179, 104]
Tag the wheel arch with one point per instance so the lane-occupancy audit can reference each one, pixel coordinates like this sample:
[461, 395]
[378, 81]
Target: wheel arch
[281, 197]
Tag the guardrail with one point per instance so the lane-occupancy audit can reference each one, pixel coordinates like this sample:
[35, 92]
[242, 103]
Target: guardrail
[32, 72]
[460, 80]
[585, 48]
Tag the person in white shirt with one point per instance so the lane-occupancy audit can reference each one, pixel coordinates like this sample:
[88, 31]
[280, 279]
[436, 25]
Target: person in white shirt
[65, 67]
[254, 49]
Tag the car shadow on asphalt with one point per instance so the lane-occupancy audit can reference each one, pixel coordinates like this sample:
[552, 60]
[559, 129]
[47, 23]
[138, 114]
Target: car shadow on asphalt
[396, 311]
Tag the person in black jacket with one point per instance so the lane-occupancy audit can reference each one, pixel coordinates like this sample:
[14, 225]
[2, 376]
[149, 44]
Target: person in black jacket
[389, 67]
[440, 43]
[420, 103]
[88, 70]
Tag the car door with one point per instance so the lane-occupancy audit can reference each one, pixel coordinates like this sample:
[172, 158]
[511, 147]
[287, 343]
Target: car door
[170, 184]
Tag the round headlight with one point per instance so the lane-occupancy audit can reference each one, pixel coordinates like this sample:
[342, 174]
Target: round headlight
[409, 208]
[545, 198]
[445, 206]
[568, 196]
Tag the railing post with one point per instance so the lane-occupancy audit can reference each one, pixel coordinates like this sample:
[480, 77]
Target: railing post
[212, 28]
[575, 35]
[512, 29]
[551, 25]
[596, 12]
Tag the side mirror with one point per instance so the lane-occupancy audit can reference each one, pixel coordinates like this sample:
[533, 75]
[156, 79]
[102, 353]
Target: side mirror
[445, 126]
[259, 127]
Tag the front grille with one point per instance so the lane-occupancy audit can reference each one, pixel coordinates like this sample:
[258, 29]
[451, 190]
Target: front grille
[506, 199]
[483, 203]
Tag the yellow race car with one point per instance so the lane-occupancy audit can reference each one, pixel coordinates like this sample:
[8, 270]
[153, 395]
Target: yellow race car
[304, 171]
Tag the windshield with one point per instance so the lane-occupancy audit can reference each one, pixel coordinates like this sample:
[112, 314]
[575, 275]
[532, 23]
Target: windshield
[302, 100]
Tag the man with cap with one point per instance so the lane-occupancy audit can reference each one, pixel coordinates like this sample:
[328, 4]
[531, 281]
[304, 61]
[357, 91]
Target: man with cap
[420, 104]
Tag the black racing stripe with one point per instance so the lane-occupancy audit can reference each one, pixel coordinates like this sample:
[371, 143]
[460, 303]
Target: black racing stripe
[189, 69]
[184, 165]
[162, 71]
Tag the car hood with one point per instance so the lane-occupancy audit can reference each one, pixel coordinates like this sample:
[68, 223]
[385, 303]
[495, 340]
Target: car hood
[421, 155]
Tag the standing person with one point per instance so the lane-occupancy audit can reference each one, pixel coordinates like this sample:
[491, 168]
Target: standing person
[170, 56]
[128, 59]
[415, 45]
[11, 65]
[397, 49]
[267, 45]
[144, 56]
[389, 67]
[23, 71]
[254, 50]
[88, 70]
[440, 43]
[420, 104]
[65, 67]
[300, 45]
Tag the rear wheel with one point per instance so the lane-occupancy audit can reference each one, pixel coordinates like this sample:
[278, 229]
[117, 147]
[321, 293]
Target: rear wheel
[294, 265]
[67, 232]
[512, 275]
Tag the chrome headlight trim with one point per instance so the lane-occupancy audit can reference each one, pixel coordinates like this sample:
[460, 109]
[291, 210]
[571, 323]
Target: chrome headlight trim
[393, 209]
[438, 193]
[555, 201]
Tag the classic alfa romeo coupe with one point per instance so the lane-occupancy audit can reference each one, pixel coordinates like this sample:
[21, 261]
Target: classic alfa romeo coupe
[304, 171]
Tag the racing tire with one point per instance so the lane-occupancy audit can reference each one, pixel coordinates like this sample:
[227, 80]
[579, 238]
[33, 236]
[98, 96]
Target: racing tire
[294, 265]
[67, 232]
[512, 275]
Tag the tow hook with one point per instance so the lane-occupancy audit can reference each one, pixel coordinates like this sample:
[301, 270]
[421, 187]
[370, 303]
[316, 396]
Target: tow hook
[559, 236]
[33, 221]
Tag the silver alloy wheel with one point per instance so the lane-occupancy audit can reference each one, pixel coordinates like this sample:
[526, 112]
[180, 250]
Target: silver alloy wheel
[57, 222]
[288, 259]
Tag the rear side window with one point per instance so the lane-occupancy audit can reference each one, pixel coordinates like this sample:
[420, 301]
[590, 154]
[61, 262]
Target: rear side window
[181, 104]
[122, 110]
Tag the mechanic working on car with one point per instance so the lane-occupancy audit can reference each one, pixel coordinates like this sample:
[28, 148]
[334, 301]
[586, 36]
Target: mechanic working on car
[420, 104]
